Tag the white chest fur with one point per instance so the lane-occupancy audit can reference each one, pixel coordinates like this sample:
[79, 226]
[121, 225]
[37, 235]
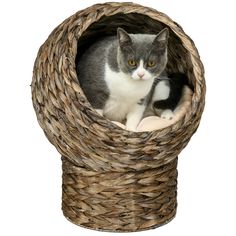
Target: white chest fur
[124, 93]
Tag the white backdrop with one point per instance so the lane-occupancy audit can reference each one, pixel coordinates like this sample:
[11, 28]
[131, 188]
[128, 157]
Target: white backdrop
[30, 167]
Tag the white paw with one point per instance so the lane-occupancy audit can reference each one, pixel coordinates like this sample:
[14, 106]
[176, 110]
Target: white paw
[167, 114]
[131, 128]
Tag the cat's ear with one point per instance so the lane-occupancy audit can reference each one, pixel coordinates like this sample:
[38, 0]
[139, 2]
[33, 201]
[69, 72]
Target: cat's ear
[162, 37]
[123, 37]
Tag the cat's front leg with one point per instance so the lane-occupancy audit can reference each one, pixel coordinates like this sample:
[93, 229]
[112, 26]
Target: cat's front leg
[134, 117]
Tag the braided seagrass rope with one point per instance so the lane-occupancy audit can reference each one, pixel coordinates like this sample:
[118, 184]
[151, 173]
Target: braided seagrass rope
[92, 145]
[120, 201]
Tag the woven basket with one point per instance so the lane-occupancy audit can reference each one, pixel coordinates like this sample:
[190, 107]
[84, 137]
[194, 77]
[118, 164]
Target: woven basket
[113, 179]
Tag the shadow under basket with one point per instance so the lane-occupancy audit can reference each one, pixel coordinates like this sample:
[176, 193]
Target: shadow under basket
[113, 179]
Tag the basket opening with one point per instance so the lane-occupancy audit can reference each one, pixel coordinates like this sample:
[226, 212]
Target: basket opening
[178, 57]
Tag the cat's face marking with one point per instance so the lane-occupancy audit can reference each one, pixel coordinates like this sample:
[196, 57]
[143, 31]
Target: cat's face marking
[141, 73]
[143, 57]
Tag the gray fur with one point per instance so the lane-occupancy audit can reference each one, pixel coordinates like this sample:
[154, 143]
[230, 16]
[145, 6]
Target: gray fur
[116, 51]
[90, 70]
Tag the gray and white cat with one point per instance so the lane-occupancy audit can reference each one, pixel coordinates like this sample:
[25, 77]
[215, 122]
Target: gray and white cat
[117, 73]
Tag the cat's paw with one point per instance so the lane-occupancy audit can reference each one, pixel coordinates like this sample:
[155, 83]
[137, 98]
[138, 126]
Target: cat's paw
[167, 114]
[131, 128]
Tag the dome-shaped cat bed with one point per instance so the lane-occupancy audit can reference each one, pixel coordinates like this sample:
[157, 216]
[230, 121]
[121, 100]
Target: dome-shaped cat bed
[113, 179]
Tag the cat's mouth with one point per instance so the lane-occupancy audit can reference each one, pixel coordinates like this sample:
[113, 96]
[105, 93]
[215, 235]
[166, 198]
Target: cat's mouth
[143, 78]
[142, 75]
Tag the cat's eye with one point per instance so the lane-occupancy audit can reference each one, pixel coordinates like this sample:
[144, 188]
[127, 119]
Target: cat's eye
[151, 63]
[132, 63]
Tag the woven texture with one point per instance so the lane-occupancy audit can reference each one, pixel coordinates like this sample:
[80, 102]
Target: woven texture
[128, 201]
[113, 179]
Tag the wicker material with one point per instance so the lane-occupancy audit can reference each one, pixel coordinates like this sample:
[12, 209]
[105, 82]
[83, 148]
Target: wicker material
[113, 179]
[121, 201]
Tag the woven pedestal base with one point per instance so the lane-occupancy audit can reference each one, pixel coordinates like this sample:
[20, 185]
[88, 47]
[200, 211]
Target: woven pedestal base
[123, 202]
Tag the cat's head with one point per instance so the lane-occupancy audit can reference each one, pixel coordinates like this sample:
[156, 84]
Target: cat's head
[142, 56]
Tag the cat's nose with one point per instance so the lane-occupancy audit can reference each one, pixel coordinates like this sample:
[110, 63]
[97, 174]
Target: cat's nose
[141, 74]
